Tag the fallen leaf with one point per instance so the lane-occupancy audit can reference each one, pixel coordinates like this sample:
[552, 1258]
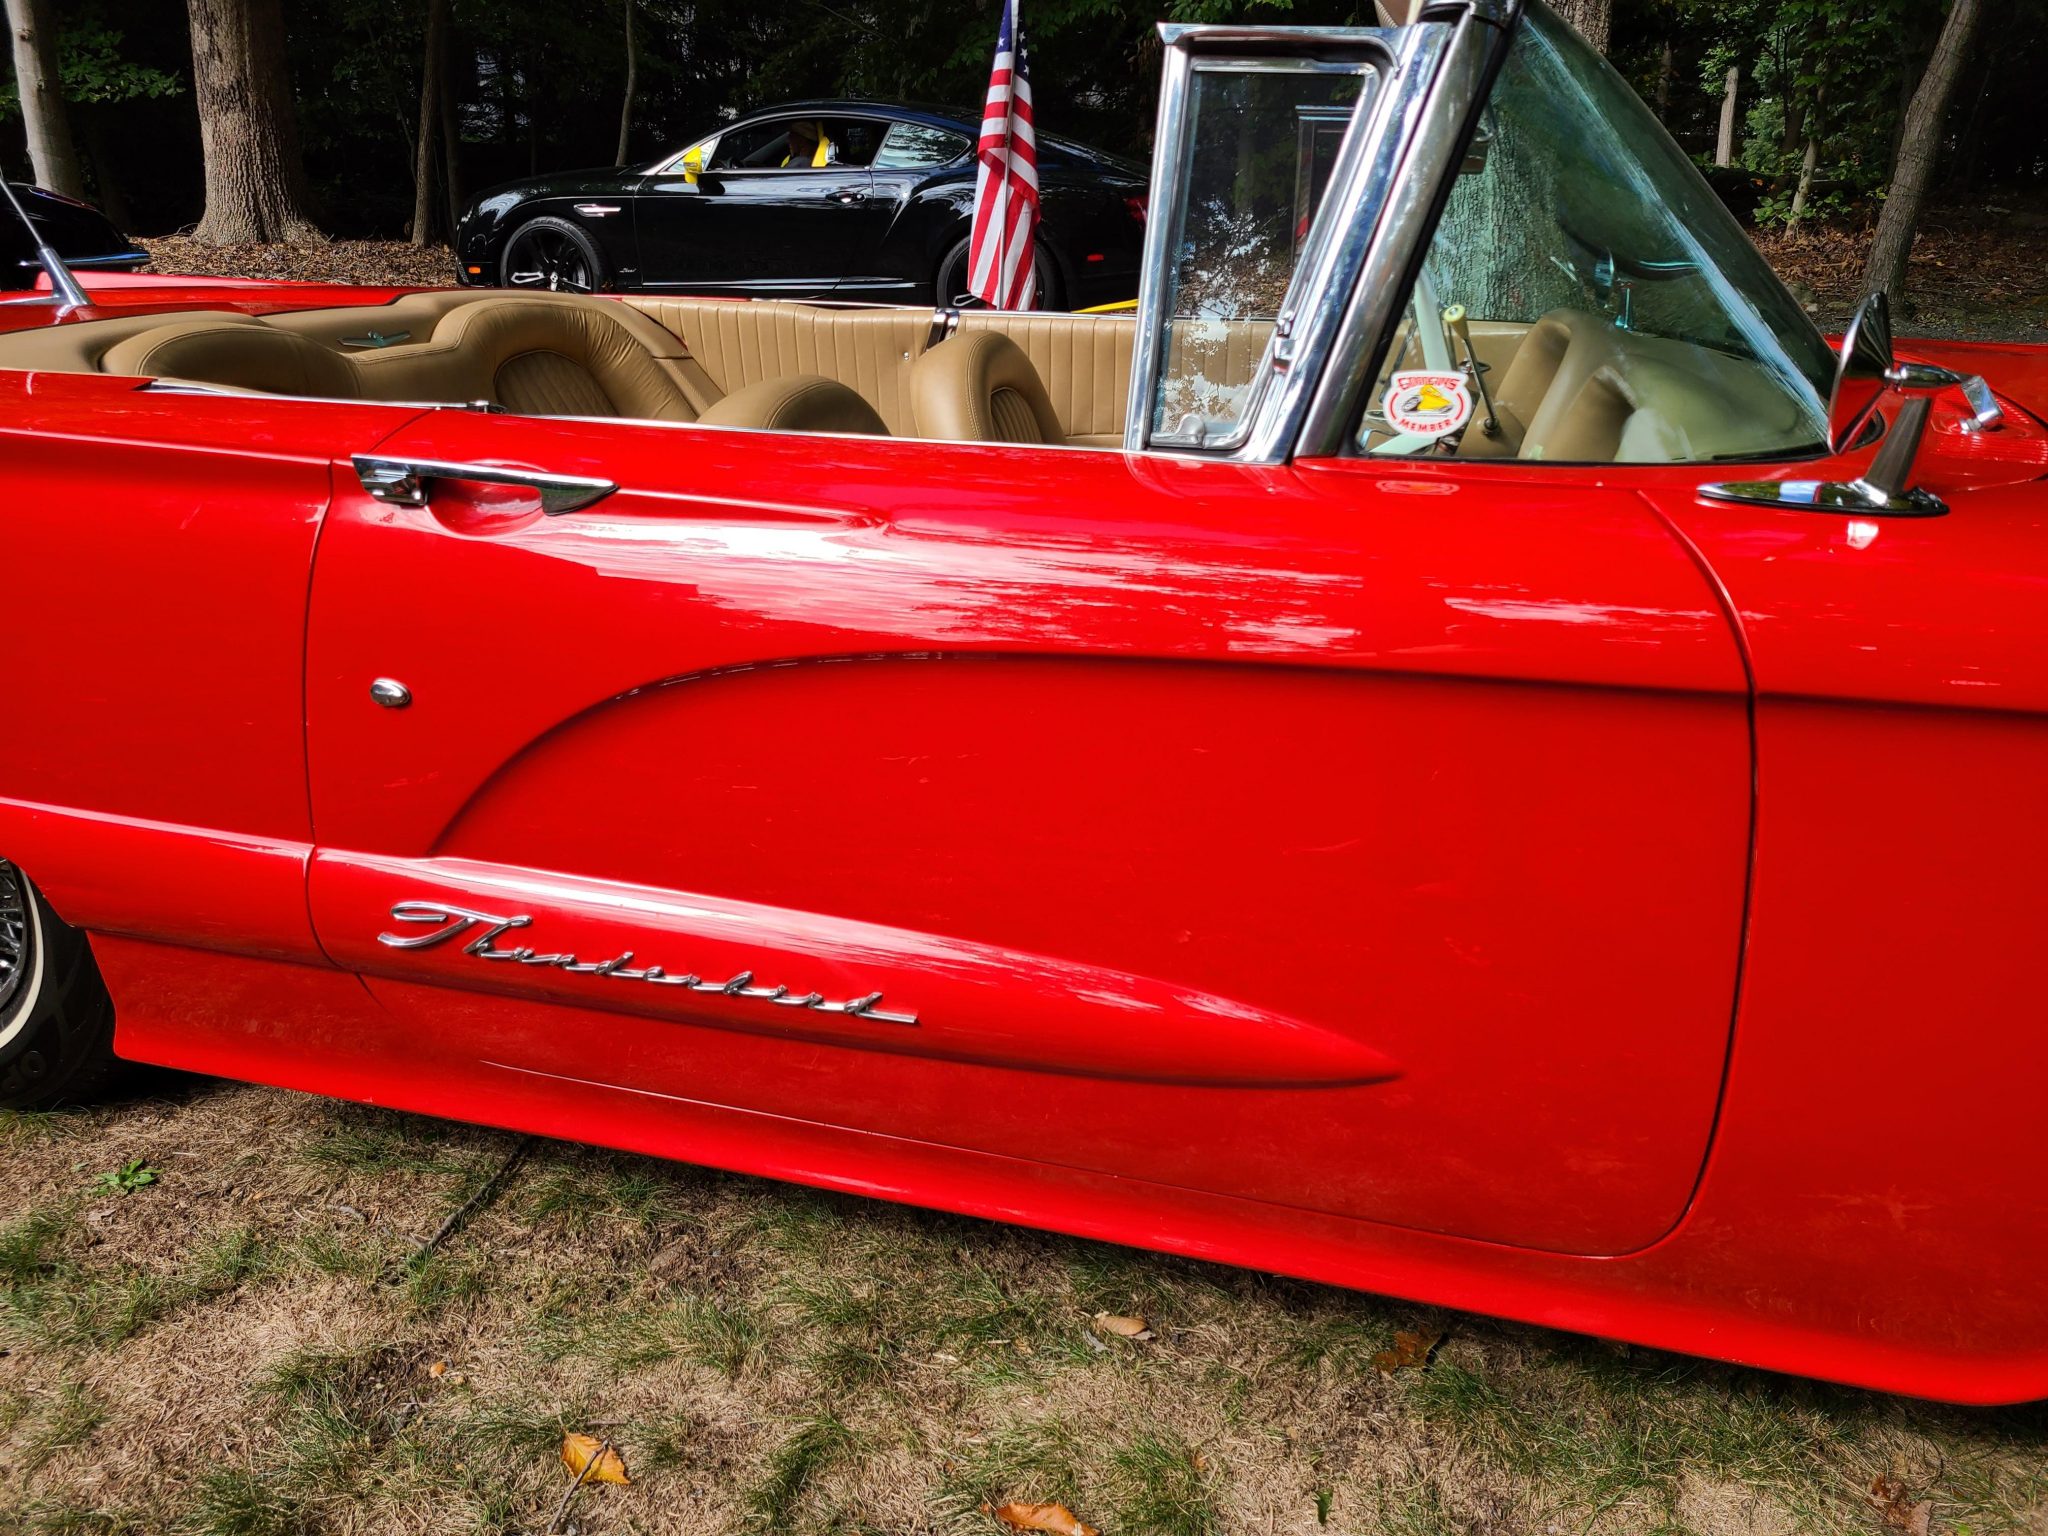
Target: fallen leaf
[1022, 1346]
[1896, 1508]
[1410, 1351]
[1123, 1327]
[1054, 1518]
[581, 1451]
[438, 1369]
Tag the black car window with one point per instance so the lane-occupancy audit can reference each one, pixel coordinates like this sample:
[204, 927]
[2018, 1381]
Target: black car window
[914, 146]
[797, 144]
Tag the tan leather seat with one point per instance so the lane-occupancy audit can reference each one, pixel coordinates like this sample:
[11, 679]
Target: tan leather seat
[1084, 362]
[980, 387]
[801, 402]
[733, 344]
[236, 354]
[545, 359]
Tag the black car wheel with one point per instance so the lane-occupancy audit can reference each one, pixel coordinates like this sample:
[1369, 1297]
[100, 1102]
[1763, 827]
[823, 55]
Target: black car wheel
[56, 1021]
[552, 254]
[952, 279]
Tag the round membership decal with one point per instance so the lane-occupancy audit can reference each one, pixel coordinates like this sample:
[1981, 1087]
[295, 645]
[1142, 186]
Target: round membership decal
[1427, 404]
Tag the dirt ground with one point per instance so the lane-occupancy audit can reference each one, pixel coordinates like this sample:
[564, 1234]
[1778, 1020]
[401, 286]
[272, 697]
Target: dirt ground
[247, 1343]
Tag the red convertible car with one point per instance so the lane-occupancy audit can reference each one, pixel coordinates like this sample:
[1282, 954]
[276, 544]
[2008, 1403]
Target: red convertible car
[1461, 751]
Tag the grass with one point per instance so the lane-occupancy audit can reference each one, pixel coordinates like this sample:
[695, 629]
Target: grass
[246, 1347]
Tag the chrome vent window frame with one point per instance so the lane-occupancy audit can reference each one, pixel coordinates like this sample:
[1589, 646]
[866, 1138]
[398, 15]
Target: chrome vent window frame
[1407, 61]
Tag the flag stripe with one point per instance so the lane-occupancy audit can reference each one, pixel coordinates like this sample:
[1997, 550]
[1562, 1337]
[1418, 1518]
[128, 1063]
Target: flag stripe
[1001, 270]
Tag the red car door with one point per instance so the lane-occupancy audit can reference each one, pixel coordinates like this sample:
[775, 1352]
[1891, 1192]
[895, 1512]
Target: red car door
[1348, 837]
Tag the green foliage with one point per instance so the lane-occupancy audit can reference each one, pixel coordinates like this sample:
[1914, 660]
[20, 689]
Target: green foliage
[125, 1180]
[95, 65]
[537, 85]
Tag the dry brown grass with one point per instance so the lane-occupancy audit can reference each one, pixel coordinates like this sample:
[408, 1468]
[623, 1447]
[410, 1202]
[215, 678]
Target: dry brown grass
[242, 1348]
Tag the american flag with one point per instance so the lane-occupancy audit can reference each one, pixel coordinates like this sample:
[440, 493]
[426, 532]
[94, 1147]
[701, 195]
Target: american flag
[1000, 268]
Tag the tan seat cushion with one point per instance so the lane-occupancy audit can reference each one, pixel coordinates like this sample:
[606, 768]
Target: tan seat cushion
[545, 359]
[799, 403]
[238, 355]
[1084, 361]
[980, 387]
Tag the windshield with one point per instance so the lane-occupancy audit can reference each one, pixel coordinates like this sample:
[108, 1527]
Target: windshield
[1615, 310]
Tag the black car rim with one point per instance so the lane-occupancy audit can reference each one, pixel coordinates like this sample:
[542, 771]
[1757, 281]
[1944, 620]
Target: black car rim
[550, 259]
[17, 936]
[953, 281]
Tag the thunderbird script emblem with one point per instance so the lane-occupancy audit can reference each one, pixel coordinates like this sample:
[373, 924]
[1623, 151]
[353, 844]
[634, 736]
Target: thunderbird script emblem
[451, 923]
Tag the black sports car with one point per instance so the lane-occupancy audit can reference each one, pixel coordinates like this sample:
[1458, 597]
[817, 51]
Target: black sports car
[78, 232]
[845, 199]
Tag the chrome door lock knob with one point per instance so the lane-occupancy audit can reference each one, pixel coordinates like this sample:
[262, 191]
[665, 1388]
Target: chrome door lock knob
[391, 693]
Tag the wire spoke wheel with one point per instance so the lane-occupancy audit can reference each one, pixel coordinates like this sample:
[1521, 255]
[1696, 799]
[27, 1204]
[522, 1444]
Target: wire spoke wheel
[547, 258]
[17, 935]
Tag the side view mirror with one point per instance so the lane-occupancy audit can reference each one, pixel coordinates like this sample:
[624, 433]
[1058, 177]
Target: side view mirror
[1861, 372]
[693, 163]
[1865, 371]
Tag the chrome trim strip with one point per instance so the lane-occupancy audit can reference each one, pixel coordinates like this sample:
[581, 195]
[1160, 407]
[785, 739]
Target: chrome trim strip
[1165, 213]
[1852, 496]
[409, 482]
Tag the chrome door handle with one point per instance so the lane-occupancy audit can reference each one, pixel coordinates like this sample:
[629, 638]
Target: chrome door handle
[409, 482]
[849, 197]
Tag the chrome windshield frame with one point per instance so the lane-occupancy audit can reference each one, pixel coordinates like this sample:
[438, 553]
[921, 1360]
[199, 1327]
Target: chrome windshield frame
[1403, 145]
[1431, 156]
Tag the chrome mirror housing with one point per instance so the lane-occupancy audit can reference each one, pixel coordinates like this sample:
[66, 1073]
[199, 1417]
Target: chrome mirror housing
[1861, 372]
[1864, 373]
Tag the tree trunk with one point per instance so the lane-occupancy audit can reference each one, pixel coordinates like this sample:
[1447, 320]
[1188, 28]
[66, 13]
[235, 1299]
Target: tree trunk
[99, 154]
[451, 142]
[430, 122]
[1919, 148]
[1795, 125]
[50, 151]
[255, 181]
[1591, 17]
[1724, 143]
[1810, 161]
[1665, 73]
[1804, 190]
[632, 83]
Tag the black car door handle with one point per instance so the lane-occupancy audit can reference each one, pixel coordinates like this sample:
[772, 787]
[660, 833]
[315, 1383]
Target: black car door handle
[851, 195]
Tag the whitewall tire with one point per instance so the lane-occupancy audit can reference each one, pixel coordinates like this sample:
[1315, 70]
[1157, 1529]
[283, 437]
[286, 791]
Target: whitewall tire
[56, 1022]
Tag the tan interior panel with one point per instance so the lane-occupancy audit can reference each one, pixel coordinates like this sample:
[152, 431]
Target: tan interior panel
[1570, 387]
